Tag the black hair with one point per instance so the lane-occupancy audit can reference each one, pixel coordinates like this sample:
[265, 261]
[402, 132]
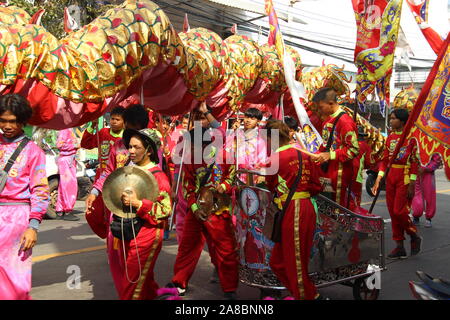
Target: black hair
[17, 105]
[136, 115]
[401, 114]
[167, 119]
[291, 123]
[254, 113]
[206, 136]
[186, 116]
[282, 128]
[118, 111]
[325, 94]
[147, 144]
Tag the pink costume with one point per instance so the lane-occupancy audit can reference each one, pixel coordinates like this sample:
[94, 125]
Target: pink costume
[425, 190]
[27, 184]
[67, 144]
[251, 151]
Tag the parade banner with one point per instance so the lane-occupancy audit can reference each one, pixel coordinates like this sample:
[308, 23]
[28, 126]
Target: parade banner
[429, 121]
[419, 9]
[378, 24]
[313, 139]
[431, 114]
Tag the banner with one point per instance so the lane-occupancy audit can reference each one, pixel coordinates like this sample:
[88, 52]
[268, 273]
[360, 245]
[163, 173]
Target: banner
[419, 9]
[378, 24]
[431, 116]
[313, 139]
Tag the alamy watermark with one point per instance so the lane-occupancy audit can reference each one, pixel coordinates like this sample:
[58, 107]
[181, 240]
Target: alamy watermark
[74, 280]
[223, 147]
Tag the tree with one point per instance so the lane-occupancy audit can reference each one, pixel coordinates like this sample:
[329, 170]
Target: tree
[54, 11]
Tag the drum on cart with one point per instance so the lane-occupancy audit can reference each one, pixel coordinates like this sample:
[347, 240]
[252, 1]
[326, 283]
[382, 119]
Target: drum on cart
[348, 247]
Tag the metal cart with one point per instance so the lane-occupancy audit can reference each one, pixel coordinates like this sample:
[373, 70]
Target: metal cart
[348, 247]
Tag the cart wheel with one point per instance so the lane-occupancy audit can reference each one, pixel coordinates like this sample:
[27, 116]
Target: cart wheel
[361, 292]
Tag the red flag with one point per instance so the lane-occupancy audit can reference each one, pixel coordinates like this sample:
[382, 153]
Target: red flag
[420, 13]
[378, 23]
[430, 117]
[186, 26]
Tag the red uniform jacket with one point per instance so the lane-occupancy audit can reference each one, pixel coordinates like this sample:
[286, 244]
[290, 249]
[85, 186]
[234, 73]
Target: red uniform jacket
[407, 155]
[106, 139]
[287, 172]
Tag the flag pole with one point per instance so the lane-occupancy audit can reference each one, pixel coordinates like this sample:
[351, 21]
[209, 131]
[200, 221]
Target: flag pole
[415, 112]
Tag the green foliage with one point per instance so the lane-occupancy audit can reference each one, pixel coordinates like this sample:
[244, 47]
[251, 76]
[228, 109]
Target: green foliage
[53, 19]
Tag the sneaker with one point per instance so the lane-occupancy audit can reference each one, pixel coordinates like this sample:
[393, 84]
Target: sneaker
[214, 277]
[416, 221]
[416, 245]
[70, 217]
[230, 295]
[181, 291]
[428, 223]
[398, 253]
[59, 215]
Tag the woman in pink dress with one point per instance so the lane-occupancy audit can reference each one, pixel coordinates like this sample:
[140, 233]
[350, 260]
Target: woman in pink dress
[23, 200]
[67, 144]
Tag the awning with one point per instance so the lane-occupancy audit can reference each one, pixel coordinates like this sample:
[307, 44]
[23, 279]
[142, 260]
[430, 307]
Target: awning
[256, 8]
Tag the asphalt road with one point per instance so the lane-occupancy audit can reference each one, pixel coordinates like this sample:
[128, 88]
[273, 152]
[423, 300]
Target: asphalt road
[66, 249]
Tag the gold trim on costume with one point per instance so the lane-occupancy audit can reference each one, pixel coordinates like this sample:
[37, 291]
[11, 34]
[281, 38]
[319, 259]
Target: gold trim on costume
[137, 291]
[339, 183]
[298, 261]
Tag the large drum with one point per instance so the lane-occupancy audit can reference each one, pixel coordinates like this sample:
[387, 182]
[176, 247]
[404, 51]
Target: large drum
[254, 247]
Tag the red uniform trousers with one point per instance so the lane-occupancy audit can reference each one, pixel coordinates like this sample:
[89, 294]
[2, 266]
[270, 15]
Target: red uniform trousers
[341, 175]
[99, 217]
[218, 231]
[357, 193]
[290, 257]
[398, 204]
[149, 243]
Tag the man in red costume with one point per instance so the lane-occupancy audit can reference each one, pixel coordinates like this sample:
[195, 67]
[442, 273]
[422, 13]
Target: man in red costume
[400, 185]
[215, 226]
[343, 148]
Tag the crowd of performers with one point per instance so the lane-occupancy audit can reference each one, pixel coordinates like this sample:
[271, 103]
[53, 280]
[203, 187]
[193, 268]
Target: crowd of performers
[150, 143]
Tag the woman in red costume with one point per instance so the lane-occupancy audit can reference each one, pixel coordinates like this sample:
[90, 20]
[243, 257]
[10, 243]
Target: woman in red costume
[290, 257]
[400, 184]
[140, 254]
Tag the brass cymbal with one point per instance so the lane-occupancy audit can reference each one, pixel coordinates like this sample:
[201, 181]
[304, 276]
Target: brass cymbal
[128, 178]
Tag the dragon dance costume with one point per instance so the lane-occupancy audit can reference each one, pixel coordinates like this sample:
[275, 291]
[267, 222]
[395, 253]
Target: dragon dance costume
[290, 257]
